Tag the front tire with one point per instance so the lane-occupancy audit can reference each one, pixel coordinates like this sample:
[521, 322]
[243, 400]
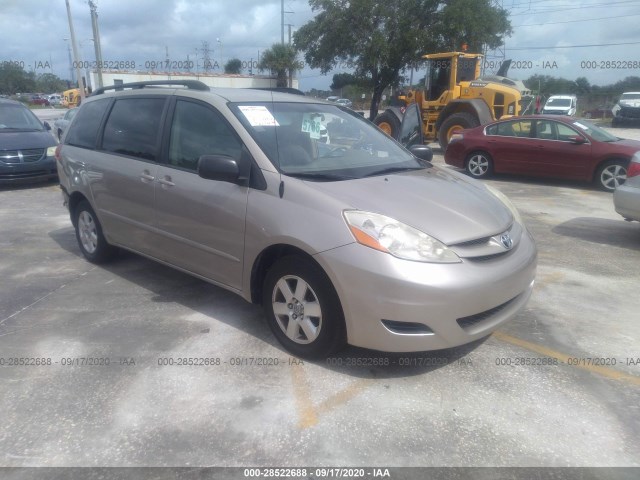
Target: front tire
[479, 165]
[91, 241]
[611, 175]
[389, 123]
[302, 308]
[456, 121]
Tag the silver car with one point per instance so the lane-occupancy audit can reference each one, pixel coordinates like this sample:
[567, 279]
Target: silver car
[626, 198]
[348, 239]
[61, 124]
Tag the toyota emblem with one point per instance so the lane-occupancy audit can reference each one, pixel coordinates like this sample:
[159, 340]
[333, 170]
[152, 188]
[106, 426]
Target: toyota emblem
[506, 241]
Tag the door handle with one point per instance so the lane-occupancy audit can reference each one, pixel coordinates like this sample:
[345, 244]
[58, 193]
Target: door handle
[146, 177]
[166, 182]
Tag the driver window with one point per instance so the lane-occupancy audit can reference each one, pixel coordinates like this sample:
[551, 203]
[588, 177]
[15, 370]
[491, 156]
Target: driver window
[546, 130]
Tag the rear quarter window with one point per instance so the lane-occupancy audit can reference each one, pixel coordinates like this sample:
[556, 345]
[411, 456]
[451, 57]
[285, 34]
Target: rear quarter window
[83, 132]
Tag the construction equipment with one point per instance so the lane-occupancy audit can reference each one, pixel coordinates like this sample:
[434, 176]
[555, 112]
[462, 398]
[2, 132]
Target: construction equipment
[456, 97]
[71, 98]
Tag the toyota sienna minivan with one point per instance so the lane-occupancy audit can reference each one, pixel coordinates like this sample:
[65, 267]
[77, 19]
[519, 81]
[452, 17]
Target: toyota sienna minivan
[343, 237]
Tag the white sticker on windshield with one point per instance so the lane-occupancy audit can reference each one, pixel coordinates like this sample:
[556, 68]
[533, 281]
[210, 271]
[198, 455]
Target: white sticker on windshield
[578, 124]
[258, 116]
[311, 125]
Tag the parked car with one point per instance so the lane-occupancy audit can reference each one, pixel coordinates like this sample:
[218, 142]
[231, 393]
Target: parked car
[236, 187]
[626, 198]
[61, 124]
[26, 145]
[332, 98]
[627, 110]
[39, 100]
[55, 99]
[543, 145]
[345, 102]
[561, 105]
[602, 111]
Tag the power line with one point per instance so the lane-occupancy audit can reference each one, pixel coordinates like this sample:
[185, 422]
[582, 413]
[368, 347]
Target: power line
[576, 21]
[575, 46]
[554, 9]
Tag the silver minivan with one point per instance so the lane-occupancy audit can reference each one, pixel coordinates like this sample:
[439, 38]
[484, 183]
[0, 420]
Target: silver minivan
[342, 234]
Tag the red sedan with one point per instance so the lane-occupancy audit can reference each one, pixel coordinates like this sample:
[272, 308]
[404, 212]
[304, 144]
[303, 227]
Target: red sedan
[543, 145]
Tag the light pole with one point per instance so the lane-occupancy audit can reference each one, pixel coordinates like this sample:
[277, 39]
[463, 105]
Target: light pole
[82, 43]
[76, 55]
[221, 59]
[71, 72]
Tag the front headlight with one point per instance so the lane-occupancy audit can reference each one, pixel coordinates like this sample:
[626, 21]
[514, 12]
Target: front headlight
[51, 151]
[507, 203]
[390, 236]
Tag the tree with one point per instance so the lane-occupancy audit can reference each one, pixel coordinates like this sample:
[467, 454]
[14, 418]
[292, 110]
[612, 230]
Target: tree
[472, 23]
[233, 66]
[48, 82]
[379, 40]
[14, 79]
[281, 60]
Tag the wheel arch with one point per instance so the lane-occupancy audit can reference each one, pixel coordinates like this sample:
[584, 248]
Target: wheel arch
[74, 199]
[609, 158]
[475, 107]
[266, 258]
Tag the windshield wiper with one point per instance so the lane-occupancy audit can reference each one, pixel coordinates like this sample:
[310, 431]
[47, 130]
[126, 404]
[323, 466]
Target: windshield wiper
[329, 177]
[392, 170]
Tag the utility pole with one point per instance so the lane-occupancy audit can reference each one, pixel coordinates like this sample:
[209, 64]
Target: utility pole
[72, 76]
[282, 22]
[75, 53]
[96, 41]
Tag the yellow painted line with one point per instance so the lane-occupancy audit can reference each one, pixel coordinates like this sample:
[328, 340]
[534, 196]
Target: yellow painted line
[344, 395]
[307, 416]
[542, 350]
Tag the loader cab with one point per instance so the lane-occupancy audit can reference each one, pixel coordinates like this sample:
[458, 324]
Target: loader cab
[445, 71]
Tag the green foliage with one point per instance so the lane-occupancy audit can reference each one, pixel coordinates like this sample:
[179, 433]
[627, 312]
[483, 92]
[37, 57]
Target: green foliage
[472, 22]
[14, 79]
[49, 83]
[281, 60]
[233, 66]
[341, 80]
[379, 40]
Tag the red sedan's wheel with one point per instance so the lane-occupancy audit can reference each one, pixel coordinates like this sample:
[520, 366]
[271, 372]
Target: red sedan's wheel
[611, 175]
[479, 165]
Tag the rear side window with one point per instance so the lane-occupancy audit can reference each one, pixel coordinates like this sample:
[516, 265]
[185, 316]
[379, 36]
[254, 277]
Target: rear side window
[84, 130]
[133, 127]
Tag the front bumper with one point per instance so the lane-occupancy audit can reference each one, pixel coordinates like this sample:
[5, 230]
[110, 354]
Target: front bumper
[19, 173]
[626, 200]
[456, 303]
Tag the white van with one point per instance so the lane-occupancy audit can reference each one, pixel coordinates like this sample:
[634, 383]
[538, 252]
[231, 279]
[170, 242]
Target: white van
[561, 105]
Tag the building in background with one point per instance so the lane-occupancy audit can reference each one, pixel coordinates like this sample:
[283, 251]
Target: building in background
[216, 80]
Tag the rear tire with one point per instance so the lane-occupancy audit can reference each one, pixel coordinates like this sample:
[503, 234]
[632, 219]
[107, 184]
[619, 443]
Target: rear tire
[611, 174]
[389, 123]
[456, 121]
[302, 308]
[479, 165]
[91, 241]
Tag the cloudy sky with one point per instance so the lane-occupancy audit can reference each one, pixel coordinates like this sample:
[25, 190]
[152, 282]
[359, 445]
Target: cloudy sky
[593, 38]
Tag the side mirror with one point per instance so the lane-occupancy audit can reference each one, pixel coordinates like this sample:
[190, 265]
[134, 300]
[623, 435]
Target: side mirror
[219, 167]
[423, 152]
[47, 126]
[577, 139]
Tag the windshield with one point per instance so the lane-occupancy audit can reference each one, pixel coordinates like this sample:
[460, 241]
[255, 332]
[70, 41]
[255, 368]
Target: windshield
[558, 102]
[595, 132]
[18, 117]
[630, 96]
[322, 142]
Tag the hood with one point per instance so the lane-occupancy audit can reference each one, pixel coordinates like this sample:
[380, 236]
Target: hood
[447, 206]
[25, 140]
[625, 146]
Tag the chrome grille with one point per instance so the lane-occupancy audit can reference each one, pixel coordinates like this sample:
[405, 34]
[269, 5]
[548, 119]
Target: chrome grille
[22, 156]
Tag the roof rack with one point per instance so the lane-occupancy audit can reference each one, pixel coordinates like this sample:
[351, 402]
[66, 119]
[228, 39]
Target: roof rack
[190, 84]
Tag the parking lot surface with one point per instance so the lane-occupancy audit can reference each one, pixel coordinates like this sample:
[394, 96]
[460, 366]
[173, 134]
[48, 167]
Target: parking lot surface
[558, 386]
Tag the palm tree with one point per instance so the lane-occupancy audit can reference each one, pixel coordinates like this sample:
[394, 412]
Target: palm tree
[281, 60]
